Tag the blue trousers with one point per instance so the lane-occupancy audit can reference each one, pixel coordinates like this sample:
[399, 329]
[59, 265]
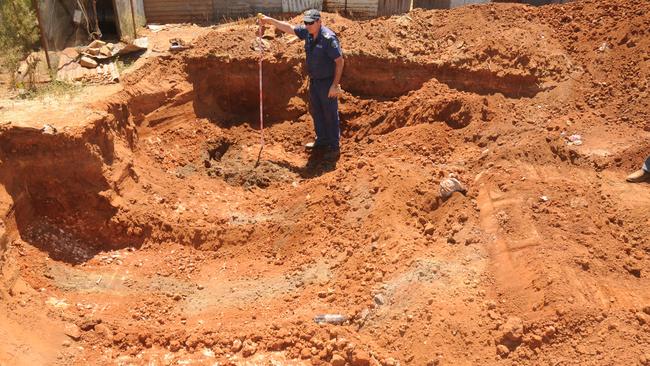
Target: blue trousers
[646, 165]
[325, 113]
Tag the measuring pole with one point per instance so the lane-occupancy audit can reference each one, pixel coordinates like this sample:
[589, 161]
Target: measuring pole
[261, 46]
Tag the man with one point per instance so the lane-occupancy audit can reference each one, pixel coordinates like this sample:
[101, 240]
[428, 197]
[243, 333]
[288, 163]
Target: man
[324, 67]
[641, 175]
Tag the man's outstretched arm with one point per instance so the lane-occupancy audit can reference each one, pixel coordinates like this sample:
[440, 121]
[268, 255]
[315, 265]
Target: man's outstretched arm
[283, 26]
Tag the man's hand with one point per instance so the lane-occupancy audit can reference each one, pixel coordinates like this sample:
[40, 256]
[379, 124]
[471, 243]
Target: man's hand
[335, 91]
[283, 26]
[263, 19]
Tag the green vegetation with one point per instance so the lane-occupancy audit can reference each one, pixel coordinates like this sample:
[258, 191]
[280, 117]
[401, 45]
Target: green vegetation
[18, 33]
[55, 88]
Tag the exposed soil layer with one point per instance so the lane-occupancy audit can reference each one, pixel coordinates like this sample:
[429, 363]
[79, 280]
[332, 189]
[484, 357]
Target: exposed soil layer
[163, 233]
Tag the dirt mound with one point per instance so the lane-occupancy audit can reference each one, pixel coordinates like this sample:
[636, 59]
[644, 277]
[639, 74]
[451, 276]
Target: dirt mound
[164, 233]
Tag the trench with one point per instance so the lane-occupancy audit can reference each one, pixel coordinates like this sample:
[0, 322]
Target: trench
[66, 188]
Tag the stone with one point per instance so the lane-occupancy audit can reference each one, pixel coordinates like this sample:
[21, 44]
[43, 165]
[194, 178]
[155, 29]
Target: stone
[379, 299]
[97, 44]
[360, 358]
[643, 318]
[249, 348]
[429, 229]
[89, 324]
[88, 62]
[236, 346]
[72, 331]
[105, 51]
[104, 331]
[337, 360]
[502, 350]
[512, 330]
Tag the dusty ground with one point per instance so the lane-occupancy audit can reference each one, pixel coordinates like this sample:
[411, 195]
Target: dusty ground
[154, 233]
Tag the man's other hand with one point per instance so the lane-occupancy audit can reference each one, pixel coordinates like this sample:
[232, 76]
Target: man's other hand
[335, 91]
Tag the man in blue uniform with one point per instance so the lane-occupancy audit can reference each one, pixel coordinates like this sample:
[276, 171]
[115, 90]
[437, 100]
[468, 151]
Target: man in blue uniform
[324, 67]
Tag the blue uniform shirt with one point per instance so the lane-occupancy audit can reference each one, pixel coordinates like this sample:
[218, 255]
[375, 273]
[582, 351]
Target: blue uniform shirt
[321, 52]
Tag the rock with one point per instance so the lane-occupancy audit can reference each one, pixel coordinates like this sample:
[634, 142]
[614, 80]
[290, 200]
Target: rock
[379, 299]
[88, 62]
[236, 346]
[97, 44]
[360, 358]
[512, 332]
[429, 229]
[305, 353]
[337, 360]
[89, 324]
[249, 348]
[92, 51]
[72, 331]
[502, 350]
[104, 331]
[174, 345]
[643, 318]
[105, 51]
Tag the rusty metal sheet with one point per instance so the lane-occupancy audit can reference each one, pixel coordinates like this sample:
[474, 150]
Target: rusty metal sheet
[179, 11]
[359, 8]
[298, 6]
[391, 7]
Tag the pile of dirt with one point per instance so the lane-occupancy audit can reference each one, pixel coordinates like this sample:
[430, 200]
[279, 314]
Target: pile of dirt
[164, 233]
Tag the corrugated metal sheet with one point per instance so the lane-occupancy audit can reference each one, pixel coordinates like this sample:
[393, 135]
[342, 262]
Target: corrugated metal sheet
[140, 18]
[391, 7]
[361, 8]
[266, 6]
[178, 11]
[445, 4]
[298, 6]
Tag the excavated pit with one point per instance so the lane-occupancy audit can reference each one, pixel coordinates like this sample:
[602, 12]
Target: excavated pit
[161, 231]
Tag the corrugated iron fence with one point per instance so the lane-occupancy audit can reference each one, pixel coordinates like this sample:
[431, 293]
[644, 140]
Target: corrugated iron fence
[206, 11]
[448, 4]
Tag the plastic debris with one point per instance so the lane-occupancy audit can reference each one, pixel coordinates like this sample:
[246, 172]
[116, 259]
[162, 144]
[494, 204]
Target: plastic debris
[574, 140]
[177, 44]
[330, 318]
[449, 186]
[48, 129]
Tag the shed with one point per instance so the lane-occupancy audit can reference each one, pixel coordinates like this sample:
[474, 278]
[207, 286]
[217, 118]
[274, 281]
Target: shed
[65, 23]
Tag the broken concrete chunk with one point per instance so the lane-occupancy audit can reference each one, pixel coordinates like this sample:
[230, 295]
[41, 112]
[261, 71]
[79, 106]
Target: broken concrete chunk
[139, 44]
[97, 44]
[88, 62]
[105, 51]
[92, 51]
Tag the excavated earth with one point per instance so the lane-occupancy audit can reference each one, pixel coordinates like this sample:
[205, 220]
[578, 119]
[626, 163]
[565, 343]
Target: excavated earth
[160, 232]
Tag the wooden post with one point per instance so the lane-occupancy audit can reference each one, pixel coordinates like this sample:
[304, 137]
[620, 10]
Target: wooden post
[135, 30]
[40, 30]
